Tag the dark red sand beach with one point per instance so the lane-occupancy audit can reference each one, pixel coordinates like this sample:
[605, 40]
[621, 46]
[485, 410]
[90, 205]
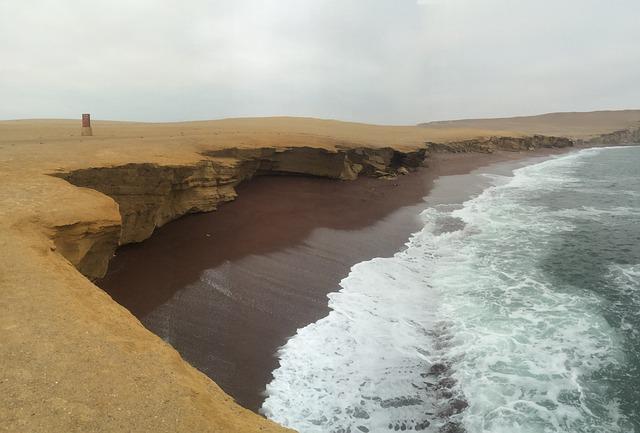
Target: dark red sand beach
[228, 288]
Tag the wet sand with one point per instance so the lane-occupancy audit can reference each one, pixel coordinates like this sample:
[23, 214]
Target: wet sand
[228, 288]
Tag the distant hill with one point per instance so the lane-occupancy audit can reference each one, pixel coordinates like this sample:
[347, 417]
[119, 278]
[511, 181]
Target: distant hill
[578, 125]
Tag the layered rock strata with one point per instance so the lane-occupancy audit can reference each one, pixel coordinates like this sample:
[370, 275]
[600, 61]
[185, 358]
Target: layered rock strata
[623, 136]
[150, 195]
[492, 144]
[72, 359]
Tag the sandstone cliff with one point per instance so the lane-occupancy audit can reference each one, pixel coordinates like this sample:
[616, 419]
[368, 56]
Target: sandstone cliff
[150, 195]
[75, 361]
[492, 144]
[623, 136]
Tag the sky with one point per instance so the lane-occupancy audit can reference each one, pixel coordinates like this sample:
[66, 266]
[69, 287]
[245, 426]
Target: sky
[376, 61]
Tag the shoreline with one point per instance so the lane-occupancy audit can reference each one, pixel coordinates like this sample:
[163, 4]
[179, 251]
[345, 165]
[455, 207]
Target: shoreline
[69, 201]
[243, 301]
[404, 327]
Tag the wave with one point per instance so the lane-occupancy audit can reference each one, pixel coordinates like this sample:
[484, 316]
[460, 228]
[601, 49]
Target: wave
[464, 330]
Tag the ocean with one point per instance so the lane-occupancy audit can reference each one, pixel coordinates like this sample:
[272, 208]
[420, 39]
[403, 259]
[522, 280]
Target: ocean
[516, 311]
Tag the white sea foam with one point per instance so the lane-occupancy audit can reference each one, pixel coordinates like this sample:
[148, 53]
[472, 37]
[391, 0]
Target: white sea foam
[463, 316]
[627, 280]
[218, 279]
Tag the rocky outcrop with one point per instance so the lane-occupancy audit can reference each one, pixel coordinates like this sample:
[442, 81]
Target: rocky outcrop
[343, 163]
[491, 144]
[88, 245]
[74, 360]
[623, 136]
[150, 195]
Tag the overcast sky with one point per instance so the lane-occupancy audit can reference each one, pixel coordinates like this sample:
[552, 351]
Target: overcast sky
[383, 61]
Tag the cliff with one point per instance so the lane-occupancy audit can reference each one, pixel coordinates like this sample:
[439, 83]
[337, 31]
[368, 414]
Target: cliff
[493, 144]
[73, 360]
[150, 195]
[623, 136]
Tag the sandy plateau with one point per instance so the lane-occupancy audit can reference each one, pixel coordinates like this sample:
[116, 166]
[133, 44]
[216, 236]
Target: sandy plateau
[73, 359]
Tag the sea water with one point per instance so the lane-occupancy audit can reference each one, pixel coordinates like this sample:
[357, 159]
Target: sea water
[517, 311]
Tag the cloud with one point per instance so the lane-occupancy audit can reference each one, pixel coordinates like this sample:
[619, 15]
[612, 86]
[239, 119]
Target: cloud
[389, 61]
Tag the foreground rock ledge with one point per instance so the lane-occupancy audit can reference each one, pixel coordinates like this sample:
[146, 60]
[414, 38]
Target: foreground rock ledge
[72, 359]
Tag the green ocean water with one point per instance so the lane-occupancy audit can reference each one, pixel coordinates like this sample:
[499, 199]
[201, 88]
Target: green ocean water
[516, 311]
[600, 257]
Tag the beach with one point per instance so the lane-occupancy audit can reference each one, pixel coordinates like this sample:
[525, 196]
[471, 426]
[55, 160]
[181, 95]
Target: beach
[319, 217]
[228, 288]
[255, 278]
[513, 311]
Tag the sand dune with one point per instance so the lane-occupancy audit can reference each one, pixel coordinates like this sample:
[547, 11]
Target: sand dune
[578, 125]
[73, 359]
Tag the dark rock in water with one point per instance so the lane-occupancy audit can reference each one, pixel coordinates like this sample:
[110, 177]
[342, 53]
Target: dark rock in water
[438, 368]
[459, 405]
[363, 429]
[422, 425]
[360, 413]
[455, 406]
[452, 427]
[446, 394]
[447, 382]
[400, 402]
[320, 421]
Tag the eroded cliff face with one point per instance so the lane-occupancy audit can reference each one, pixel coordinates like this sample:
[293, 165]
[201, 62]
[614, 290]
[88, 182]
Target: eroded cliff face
[104, 370]
[150, 195]
[88, 245]
[492, 144]
[623, 136]
[343, 163]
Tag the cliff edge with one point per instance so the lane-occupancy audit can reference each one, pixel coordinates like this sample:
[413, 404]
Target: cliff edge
[72, 358]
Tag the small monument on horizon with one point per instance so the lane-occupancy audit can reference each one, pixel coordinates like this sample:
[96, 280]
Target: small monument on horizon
[86, 125]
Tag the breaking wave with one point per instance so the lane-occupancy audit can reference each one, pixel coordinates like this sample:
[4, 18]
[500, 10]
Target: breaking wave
[491, 319]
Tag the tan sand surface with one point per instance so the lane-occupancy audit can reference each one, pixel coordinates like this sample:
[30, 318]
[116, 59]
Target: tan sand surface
[72, 359]
[578, 125]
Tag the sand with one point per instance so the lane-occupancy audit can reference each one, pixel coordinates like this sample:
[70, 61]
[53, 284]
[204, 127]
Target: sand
[72, 358]
[226, 301]
[576, 125]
